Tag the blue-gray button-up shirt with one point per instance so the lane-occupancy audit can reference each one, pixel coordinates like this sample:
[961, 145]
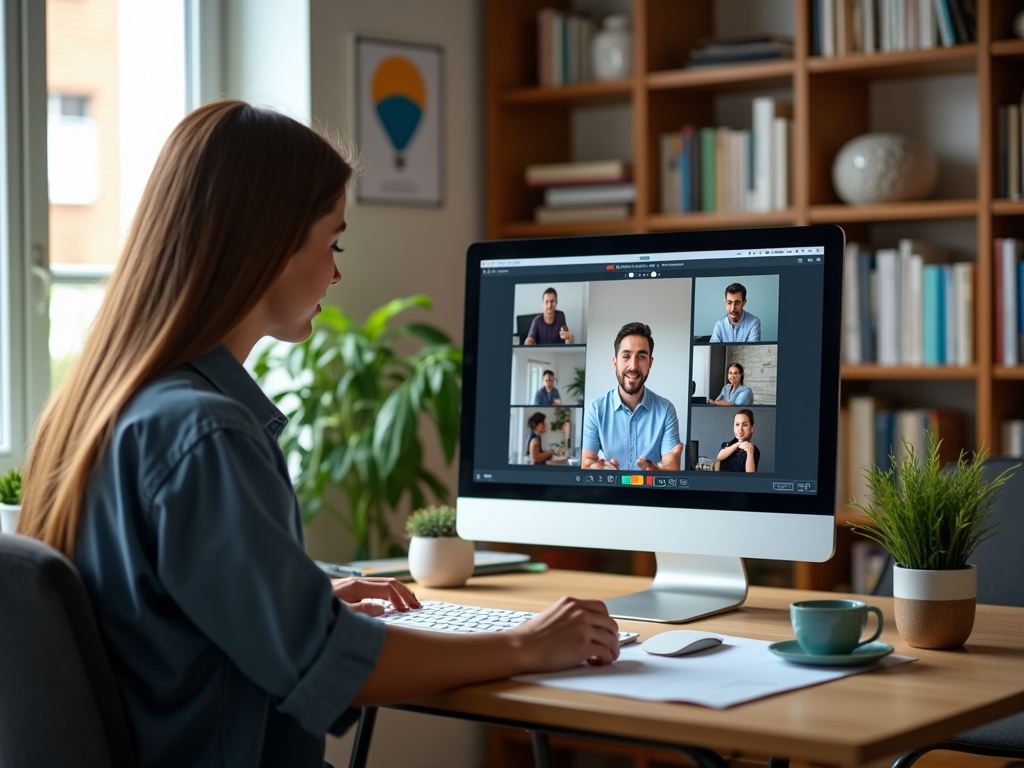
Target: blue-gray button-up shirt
[748, 329]
[226, 642]
[611, 429]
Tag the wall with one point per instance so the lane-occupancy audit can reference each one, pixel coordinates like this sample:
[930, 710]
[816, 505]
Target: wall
[399, 251]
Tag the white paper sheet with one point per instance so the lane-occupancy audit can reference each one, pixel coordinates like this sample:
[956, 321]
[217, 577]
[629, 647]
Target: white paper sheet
[739, 670]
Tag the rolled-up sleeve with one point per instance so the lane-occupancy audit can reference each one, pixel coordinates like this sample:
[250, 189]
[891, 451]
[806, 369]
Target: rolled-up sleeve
[229, 556]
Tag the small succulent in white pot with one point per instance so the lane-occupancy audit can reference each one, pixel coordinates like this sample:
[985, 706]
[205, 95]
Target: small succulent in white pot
[931, 519]
[437, 556]
[10, 500]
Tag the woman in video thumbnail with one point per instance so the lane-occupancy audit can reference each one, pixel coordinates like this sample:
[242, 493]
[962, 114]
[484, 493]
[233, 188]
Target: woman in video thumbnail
[739, 454]
[735, 392]
[156, 469]
[538, 425]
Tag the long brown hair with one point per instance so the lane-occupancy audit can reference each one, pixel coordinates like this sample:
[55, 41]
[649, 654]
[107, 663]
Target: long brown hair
[233, 194]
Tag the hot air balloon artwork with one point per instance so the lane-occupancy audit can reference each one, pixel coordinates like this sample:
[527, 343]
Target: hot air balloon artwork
[398, 100]
[399, 96]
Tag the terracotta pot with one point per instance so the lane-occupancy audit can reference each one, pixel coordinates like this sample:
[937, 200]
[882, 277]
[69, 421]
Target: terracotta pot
[440, 562]
[935, 609]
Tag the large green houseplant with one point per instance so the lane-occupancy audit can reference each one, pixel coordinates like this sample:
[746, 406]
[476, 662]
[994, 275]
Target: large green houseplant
[930, 519]
[354, 397]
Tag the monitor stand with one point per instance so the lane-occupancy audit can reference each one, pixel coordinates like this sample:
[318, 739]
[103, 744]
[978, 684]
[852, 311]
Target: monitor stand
[685, 587]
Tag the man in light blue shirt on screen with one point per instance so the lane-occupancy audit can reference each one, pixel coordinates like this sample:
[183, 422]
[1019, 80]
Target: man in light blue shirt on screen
[737, 327]
[630, 426]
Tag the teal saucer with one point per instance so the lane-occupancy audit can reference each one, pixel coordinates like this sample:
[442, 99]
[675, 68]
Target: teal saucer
[790, 650]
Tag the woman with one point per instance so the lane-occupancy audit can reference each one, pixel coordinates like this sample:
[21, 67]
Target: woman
[538, 425]
[739, 454]
[156, 469]
[734, 393]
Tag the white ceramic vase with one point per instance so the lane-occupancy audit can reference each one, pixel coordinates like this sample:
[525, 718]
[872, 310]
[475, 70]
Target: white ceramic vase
[935, 609]
[883, 168]
[611, 50]
[9, 517]
[445, 561]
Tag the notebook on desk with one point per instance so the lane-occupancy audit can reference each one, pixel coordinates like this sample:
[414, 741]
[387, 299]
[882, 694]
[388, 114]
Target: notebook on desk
[484, 562]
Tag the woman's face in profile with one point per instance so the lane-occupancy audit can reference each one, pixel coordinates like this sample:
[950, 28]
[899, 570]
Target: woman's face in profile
[541, 428]
[742, 428]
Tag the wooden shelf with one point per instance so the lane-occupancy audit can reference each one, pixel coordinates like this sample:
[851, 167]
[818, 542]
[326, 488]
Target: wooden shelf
[938, 61]
[910, 211]
[832, 102]
[908, 373]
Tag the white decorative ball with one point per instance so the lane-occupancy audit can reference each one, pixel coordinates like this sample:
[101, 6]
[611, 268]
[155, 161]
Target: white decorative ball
[1018, 24]
[883, 168]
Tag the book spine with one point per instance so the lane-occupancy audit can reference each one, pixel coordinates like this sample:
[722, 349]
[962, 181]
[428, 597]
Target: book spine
[828, 29]
[685, 170]
[851, 347]
[883, 439]
[946, 35]
[1009, 270]
[888, 284]
[865, 272]
[862, 445]
[708, 172]
[933, 342]
[949, 315]
[964, 280]
[867, 15]
[1020, 310]
[762, 115]
[997, 285]
[1013, 151]
[956, 15]
[926, 24]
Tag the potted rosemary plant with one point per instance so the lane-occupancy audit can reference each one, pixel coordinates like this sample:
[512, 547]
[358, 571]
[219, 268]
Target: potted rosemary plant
[931, 520]
[437, 556]
[10, 500]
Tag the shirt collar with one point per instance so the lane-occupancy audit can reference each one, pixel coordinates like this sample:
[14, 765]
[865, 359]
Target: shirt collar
[229, 376]
[644, 401]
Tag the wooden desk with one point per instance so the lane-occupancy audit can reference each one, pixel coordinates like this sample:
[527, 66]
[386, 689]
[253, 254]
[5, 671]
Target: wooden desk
[847, 722]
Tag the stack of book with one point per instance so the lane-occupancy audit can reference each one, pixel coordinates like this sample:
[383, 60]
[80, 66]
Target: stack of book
[1011, 151]
[737, 50]
[721, 169]
[877, 433]
[1008, 284]
[844, 27]
[909, 305]
[596, 190]
[563, 47]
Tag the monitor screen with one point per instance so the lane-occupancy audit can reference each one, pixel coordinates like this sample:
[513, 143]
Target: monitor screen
[675, 393]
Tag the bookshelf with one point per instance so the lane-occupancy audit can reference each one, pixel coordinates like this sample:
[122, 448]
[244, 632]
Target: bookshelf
[834, 99]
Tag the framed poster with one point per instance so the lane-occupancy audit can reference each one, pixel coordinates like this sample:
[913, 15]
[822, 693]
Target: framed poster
[398, 122]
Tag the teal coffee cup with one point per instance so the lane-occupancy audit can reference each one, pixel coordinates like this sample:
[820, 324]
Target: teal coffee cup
[832, 627]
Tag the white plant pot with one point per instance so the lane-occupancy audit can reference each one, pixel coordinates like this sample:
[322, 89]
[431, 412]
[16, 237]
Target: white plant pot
[935, 609]
[440, 562]
[9, 517]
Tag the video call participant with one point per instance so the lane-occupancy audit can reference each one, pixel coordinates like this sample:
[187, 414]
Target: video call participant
[549, 327]
[156, 469]
[737, 326]
[630, 423]
[739, 454]
[735, 392]
[538, 425]
[548, 394]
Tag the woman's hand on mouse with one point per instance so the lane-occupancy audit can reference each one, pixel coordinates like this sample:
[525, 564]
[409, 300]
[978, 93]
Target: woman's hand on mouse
[568, 633]
[353, 590]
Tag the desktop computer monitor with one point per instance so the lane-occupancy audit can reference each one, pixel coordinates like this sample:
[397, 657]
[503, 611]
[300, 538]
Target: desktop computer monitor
[737, 415]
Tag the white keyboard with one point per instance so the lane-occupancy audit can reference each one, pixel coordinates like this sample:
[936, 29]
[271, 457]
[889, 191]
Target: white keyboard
[437, 616]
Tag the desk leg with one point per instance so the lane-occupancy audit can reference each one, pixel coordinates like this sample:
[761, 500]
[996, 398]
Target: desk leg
[539, 739]
[364, 735]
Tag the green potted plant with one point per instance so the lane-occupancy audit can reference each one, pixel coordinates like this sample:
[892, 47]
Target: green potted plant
[10, 500]
[354, 397]
[577, 387]
[437, 556]
[931, 520]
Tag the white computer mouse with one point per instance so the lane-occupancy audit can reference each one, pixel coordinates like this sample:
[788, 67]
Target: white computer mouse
[676, 642]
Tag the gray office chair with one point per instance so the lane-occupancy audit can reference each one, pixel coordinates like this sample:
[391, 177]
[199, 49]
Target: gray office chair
[59, 704]
[1000, 582]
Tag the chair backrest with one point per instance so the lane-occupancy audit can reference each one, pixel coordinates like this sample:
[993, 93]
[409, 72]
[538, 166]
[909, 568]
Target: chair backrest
[523, 323]
[59, 704]
[999, 561]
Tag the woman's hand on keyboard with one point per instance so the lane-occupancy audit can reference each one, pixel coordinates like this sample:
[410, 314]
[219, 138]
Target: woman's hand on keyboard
[353, 590]
[569, 632]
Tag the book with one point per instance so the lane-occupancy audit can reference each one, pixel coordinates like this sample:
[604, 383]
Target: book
[708, 169]
[945, 23]
[851, 339]
[589, 194]
[949, 315]
[997, 289]
[1012, 437]
[766, 165]
[669, 154]
[1010, 254]
[828, 29]
[584, 172]
[863, 445]
[888, 287]
[927, 31]
[780, 163]
[1013, 152]
[484, 561]
[866, 298]
[585, 213]
[933, 310]
[869, 36]
[963, 289]
[959, 19]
